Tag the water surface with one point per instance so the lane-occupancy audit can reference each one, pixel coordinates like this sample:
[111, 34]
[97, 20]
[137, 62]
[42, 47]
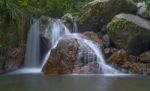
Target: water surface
[40, 82]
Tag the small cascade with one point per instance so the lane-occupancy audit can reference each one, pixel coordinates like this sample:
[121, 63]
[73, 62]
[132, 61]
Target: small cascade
[75, 27]
[57, 30]
[32, 55]
[106, 69]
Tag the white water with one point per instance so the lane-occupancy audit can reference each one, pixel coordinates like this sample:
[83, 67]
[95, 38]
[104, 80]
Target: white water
[75, 27]
[106, 69]
[32, 55]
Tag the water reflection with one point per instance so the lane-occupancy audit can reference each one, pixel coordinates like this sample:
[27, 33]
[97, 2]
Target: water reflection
[39, 82]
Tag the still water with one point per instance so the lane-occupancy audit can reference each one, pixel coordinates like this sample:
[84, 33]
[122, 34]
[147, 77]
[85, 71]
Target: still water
[40, 82]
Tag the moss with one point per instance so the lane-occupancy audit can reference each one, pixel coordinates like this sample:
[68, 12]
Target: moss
[100, 12]
[128, 35]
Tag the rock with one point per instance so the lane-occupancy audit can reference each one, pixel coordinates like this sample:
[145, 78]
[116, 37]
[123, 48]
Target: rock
[72, 56]
[70, 22]
[109, 51]
[140, 68]
[145, 57]
[62, 58]
[2, 60]
[143, 11]
[94, 37]
[120, 58]
[14, 59]
[99, 12]
[91, 68]
[124, 61]
[130, 32]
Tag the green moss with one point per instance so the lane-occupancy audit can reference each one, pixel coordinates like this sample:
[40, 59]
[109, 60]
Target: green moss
[127, 35]
[114, 26]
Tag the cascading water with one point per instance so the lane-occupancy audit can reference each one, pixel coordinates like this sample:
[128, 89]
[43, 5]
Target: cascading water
[32, 56]
[106, 69]
[75, 27]
[56, 36]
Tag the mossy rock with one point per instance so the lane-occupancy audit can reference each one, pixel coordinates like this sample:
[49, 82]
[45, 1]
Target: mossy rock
[130, 32]
[100, 12]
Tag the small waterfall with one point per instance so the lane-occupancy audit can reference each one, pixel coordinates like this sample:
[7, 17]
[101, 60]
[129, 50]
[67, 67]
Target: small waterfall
[32, 55]
[106, 69]
[75, 27]
[57, 30]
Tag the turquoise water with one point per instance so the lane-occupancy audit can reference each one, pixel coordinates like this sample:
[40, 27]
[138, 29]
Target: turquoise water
[40, 82]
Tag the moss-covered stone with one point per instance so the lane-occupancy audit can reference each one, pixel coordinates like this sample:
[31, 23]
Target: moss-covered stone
[100, 12]
[127, 34]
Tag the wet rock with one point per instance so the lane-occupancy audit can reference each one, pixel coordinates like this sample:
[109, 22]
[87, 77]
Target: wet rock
[94, 37]
[130, 32]
[68, 21]
[14, 59]
[99, 12]
[91, 68]
[145, 57]
[109, 51]
[72, 56]
[120, 58]
[123, 61]
[143, 11]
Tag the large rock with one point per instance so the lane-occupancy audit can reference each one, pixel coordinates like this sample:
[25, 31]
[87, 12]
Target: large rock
[130, 32]
[99, 12]
[128, 63]
[73, 56]
[12, 60]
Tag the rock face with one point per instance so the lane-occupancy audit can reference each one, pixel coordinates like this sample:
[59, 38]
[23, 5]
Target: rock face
[130, 32]
[12, 60]
[129, 63]
[99, 12]
[72, 56]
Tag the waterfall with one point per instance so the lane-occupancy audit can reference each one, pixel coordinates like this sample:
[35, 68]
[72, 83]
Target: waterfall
[106, 69]
[58, 29]
[32, 55]
[75, 27]
[91, 45]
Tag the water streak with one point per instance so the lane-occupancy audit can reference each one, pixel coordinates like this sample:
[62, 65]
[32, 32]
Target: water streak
[32, 55]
